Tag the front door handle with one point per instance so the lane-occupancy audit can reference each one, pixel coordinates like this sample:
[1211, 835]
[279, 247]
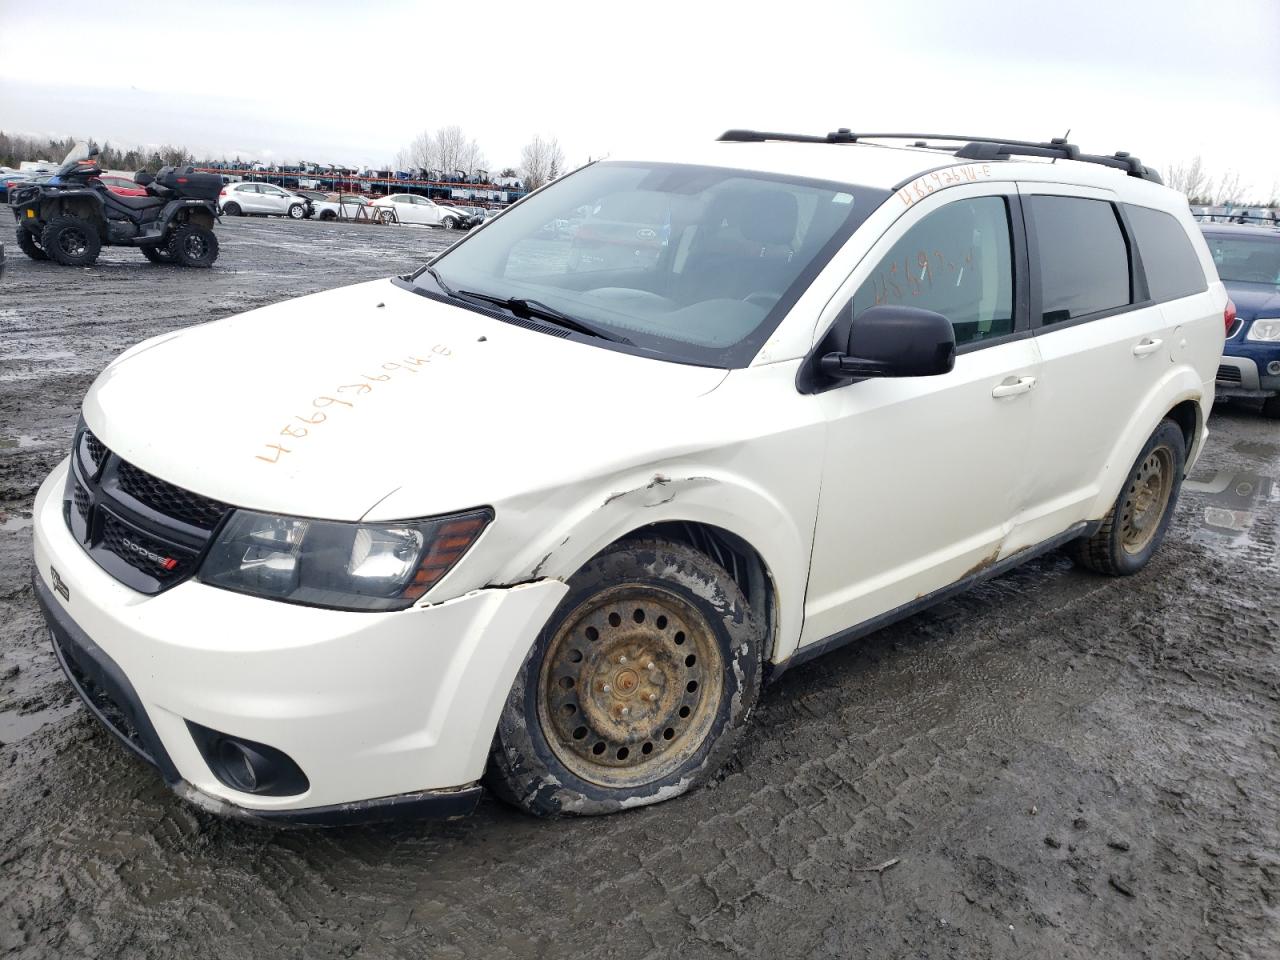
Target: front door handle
[1146, 346]
[1012, 386]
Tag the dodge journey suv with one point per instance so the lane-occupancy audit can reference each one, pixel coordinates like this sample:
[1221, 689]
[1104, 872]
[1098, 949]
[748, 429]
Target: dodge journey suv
[544, 515]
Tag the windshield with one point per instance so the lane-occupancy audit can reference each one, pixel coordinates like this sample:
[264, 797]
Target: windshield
[79, 152]
[1247, 259]
[698, 264]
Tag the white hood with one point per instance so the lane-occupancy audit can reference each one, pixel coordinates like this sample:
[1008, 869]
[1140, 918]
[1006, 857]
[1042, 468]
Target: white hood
[325, 405]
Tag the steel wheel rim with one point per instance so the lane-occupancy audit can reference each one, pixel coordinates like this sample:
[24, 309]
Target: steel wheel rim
[1146, 500]
[630, 686]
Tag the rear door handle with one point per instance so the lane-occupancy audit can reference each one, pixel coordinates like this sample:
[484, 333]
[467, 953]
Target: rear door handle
[1012, 386]
[1146, 346]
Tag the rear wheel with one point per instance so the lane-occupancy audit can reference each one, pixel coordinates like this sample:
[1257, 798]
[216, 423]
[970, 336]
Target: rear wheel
[232, 210]
[158, 254]
[194, 246]
[637, 688]
[29, 245]
[71, 241]
[1133, 529]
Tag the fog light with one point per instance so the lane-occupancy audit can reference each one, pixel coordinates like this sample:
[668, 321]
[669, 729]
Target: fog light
[1273, 367]
[248, 766]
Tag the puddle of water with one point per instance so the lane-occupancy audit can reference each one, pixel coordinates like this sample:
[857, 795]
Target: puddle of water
[9, 523]
[14, 726]
[16, 442]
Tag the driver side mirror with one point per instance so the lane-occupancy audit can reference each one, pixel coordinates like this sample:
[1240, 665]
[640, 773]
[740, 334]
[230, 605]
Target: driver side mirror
[889, 341]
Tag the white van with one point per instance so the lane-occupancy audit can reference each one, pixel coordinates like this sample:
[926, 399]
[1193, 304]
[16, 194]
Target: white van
[546, 522]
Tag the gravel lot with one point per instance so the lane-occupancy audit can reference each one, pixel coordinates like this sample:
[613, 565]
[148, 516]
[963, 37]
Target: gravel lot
[1055, 764]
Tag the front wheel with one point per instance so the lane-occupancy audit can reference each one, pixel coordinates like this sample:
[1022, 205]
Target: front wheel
[636, 689]
[386, 216]
[29, 245]
[1135, 526]
[297, 211]
[448, 223]
[194, 246]
[71, 241]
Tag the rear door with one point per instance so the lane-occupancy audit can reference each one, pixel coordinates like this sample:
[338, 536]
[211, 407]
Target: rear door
[1103, 341]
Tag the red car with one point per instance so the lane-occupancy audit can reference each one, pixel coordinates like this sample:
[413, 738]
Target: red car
[122, 186]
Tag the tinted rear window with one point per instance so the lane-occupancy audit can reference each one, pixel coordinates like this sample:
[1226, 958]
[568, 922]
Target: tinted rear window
[1084, 262]
[1173, 270]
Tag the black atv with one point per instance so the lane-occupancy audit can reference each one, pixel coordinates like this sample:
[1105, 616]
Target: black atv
[70, 216]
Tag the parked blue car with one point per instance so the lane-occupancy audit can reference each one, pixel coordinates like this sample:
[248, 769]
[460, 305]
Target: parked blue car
[1248, 261]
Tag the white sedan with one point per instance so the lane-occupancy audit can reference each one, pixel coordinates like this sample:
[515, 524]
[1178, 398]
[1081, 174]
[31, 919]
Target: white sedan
[411, 209]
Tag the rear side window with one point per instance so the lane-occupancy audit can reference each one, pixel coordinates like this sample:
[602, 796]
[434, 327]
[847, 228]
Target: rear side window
[957, 261]
[1084, 261]
[1173, 270]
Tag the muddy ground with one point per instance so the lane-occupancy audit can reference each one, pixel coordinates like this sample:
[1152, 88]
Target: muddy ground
[1054, 765]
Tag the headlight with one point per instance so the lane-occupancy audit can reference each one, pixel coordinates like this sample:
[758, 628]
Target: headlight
[1265, 328]
[347, 566]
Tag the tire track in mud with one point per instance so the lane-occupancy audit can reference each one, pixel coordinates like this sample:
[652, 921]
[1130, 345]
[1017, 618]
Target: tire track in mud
[1062, 764]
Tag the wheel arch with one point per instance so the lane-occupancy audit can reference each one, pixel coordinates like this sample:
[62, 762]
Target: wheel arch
[1178, 397]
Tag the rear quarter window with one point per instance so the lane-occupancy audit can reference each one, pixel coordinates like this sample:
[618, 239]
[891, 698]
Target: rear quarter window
[1173, 270]
[1082, 255]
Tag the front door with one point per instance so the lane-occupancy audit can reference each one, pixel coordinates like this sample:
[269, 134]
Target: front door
[924, 478]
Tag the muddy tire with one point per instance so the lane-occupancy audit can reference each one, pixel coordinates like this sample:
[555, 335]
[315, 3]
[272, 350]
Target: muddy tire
[29, 245]
[635, 691]
[71, 241]
[1271, 407]
[1133, 529]
[194, 246]
[158, 254]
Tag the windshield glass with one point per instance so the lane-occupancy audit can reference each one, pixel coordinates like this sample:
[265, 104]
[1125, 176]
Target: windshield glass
[698, 264]
[79, 152]
[1247, 259]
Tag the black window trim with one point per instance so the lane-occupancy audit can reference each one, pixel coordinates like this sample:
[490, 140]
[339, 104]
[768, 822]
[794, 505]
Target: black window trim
[809, 381]
[1137, 277]
[1137, 254]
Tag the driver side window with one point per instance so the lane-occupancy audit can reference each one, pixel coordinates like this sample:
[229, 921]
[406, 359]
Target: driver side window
[958, 262]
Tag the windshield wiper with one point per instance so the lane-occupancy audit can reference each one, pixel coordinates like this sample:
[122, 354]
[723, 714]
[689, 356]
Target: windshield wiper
[431, 271]
[535, 308]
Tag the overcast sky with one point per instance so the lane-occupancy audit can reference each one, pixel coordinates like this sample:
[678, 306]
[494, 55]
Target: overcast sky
[353, 82]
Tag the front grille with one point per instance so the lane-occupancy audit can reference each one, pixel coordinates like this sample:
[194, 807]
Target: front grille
[153, 557]
[1229, 375]
[96, 450]
[81, 497]
[146, 532]
[171, 500]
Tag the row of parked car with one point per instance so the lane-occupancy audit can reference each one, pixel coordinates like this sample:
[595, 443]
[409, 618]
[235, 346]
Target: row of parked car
[242, 198]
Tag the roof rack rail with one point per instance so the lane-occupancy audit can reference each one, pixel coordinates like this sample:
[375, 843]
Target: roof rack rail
[972, 148]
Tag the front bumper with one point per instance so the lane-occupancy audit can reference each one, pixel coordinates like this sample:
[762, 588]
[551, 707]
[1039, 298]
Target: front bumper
[1244, 371]
[386, 713]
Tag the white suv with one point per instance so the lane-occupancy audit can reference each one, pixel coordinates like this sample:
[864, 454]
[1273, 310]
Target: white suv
[548, 521]
[237, 199]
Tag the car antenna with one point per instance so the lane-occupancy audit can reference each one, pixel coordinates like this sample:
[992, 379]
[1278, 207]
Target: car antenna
[1066, 138]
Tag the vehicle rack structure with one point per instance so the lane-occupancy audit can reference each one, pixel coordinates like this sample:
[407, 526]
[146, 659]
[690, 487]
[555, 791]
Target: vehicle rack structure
[972, 148]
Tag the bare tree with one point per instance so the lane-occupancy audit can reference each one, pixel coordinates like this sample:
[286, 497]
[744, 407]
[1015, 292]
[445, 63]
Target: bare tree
[541, 161]
[421, 152]
[1230, 188]
[1190, 179]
